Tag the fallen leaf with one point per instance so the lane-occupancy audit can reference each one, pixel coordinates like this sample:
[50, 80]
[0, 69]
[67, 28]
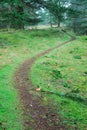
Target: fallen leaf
[38, 89]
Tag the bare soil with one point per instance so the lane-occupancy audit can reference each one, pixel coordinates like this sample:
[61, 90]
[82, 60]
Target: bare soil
[37, 116]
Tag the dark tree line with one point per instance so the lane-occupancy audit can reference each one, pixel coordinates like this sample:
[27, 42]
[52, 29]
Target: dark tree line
[77, 15]
[17, 13]
[20, 13]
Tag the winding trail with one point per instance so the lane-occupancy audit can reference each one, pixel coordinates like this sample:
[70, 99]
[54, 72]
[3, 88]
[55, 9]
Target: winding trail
[36, 115]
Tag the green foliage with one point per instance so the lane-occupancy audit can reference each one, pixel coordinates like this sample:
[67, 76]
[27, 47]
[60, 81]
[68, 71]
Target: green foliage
[18, 13]
[77, 57]
[77, 13]
[66, 84]
[57, 9]
[56, 74]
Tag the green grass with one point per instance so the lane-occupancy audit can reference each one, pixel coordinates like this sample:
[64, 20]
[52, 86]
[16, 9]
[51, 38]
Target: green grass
[10, 110]
[15, 47]
[63, 73]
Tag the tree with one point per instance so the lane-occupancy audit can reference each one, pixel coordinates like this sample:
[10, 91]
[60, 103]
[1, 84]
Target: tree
[57, 9]
[17, 13]
[78, 15]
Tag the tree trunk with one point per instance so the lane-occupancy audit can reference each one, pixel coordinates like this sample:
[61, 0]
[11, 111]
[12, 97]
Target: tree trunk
[51, 25]
[21, 12]
[58, 23]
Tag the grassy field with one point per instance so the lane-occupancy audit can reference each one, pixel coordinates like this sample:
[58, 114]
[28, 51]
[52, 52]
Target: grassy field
[62, 76]
[15, 47]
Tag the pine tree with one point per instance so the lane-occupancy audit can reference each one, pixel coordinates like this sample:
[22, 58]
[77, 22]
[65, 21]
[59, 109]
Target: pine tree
[78, 16]
[57, 9]
[17, 13]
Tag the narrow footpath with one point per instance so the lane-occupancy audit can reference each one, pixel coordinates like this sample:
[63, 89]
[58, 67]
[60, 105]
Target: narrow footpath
[36, 115]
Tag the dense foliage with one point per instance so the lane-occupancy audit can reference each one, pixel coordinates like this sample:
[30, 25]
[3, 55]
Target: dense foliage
[57, 9]
[20, 13]
[78, 16]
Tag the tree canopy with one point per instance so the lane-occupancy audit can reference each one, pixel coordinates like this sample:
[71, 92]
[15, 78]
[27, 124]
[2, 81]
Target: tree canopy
[20, 13]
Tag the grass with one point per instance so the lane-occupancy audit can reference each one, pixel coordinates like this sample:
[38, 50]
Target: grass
[15, 47]
[63, 73]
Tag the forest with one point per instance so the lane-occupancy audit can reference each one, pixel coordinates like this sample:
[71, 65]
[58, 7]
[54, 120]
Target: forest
[43, 64]
[20, 13]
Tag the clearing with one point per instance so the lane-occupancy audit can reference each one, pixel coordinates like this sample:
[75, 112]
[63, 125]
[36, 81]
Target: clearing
[49, 98]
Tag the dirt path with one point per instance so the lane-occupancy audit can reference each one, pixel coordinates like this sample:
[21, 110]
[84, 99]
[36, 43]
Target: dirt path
[36, 115]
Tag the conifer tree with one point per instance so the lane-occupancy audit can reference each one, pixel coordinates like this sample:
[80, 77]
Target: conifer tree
[17, 13]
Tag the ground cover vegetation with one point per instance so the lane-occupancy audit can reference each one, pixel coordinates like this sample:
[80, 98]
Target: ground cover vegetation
[62, 76]
[15, 47]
